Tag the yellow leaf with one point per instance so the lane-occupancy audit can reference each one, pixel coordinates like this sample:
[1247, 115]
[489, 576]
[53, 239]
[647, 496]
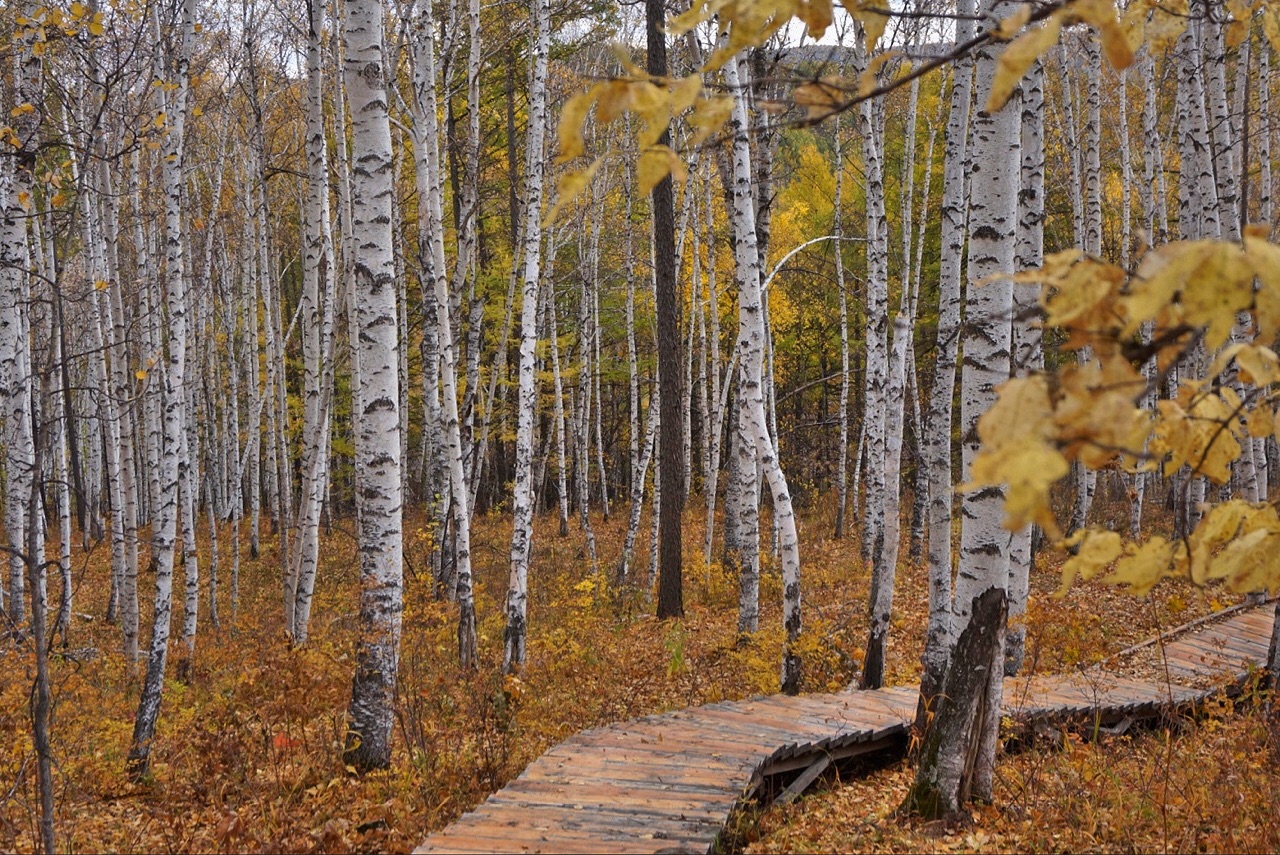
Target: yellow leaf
[1078, 291]
[1018, 57]
[101, 285]
[22, 109]
[869, 79]
[1167, 22]
[1028, 468]
[78, 9]
[613, 100]
[1271, 25]
[1260, 422]
[1258, 365]
[1134, 23]
[140, 374]
[709, 116]
[696, 14]
[572, 117]
[1142, 567]
[1212, 279]
[570, 186]
[1101, 15]
[1095, 550]
[684, 93]
[816, 15]
[95, 28]
[1248, 562]
[653, 105]
[1010, 26]
[1219, 526]
[656, 163]
[1264, 259]
[873, 17]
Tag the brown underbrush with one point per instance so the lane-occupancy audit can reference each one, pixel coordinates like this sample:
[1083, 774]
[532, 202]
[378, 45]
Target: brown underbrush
[1207, 785]
[247, 756]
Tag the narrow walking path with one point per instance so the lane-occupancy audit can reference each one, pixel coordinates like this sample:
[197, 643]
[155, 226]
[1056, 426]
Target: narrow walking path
[668, 783]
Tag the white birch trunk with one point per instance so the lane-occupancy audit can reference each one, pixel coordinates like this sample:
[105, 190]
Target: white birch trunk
[173, 385]
[876, 524]
[522, 500]
[751, 334]
[1028, 355]
[317, 339]
[425, 87]
[837, 229]
[984, 557]
[377, 423]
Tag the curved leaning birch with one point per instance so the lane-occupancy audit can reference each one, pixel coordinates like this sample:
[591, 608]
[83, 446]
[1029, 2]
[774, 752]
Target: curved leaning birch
[751, 333]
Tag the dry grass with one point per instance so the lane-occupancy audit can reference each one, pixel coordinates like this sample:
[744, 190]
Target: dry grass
[1206, 786]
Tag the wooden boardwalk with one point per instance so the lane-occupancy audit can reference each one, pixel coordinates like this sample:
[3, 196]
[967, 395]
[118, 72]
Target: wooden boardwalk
[669, 783]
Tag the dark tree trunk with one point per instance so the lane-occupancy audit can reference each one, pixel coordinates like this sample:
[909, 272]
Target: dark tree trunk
[950, 744]
[670, 358]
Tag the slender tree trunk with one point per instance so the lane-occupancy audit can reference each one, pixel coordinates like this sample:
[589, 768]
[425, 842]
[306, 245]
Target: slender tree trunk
[876, 410]
[173, 384]
[317, 338]
[433, 207]
[837, 229]
[1028, 355]
[523, 499]
[379, 499]
[670, 358]
[751, 335]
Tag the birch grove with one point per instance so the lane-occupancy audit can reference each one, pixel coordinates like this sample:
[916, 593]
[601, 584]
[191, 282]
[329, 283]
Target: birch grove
[333, 315]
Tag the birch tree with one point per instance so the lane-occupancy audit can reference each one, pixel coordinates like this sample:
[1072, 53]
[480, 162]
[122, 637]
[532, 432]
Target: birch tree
[962, 765]
[377, 420]
[751, 334]
[514, 638]
[172, 384]
[317, 341]
[938, 459]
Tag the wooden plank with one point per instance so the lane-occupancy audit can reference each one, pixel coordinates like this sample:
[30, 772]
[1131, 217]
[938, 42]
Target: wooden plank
[1203, 644]
[486, 840]
[690, 786]
[684, 776]
[831, 708]
[1240, 645]
[765, 722]
[691, 730]
[608, 792]
[661, 766]
[687, 744]
[544, 816]
[797, 787]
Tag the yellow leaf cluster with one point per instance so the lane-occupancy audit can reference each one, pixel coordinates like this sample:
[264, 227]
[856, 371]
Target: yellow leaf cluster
[1235, 543]
[1225, 296]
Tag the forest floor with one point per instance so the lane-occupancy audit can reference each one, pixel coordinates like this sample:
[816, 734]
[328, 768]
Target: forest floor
[247, 756]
